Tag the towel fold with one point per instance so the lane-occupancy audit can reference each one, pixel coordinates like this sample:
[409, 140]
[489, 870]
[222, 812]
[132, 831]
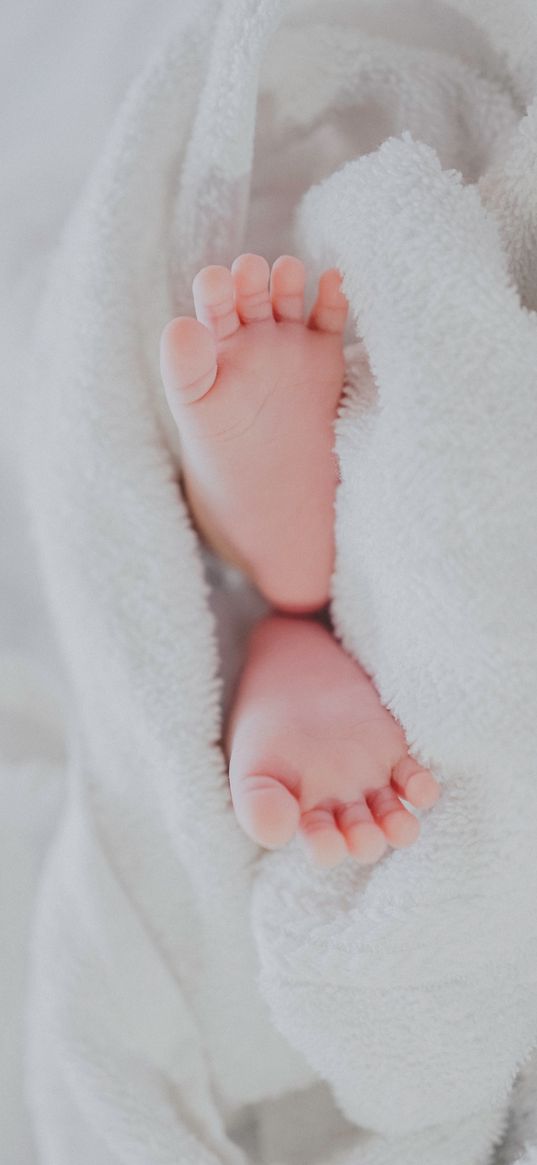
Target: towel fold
[180, 977]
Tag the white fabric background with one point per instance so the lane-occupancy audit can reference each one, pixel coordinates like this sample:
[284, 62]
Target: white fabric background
[64, 68]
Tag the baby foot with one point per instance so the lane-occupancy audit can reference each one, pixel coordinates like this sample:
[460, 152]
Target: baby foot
[254, 392]
[312, 749]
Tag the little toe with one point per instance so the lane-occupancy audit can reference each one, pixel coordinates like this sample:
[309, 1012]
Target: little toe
[365, 839]
[399, 826]
[187, 361]
[266, 809]
[330, 310]
[287, 284]
[251, 274]
[416, 784]
[214, 300]
[322, 838]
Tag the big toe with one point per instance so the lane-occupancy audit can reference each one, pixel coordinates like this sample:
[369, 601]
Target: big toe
[265, 808]
[187, 361]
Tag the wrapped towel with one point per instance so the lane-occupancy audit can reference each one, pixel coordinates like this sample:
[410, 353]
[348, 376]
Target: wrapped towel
[179, 974]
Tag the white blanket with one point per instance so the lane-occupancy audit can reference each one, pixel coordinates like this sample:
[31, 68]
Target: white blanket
[182, 980]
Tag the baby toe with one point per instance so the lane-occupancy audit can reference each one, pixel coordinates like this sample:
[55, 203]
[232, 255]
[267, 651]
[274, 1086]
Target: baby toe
[399, 826]
[187, 361]
[329, 312]
[322, 838]
[415, 784]
[251, 275]
[214, 300]
[365, 839]
[265, 808]
[287, 286]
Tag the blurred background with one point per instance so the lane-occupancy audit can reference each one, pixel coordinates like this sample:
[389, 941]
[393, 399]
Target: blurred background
[64, 69]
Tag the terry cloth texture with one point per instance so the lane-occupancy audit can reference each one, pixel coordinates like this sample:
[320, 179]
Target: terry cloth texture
[187, 987]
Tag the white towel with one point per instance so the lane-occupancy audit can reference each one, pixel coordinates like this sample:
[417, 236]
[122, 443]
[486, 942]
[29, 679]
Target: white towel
[179, 974]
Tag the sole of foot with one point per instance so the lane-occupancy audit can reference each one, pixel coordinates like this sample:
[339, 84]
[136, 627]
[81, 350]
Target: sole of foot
[254, 389]
[312, 751]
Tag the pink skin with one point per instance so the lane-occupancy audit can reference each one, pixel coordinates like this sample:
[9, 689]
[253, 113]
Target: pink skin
[254, 392]
[313, 750]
